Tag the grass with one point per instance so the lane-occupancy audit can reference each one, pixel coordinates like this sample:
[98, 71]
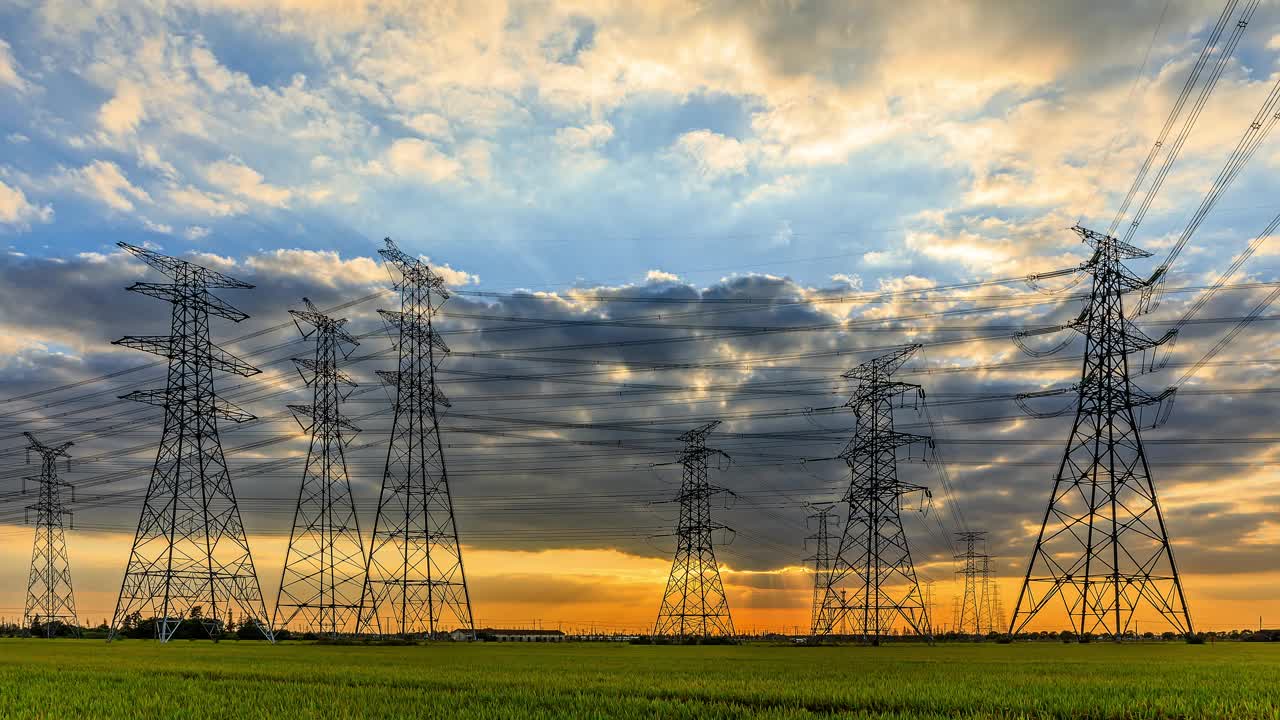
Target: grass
[134, 678]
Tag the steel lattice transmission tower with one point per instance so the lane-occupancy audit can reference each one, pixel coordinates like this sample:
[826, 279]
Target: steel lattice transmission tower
[823, 514]
[323, 573]
[190, 550]
[1103, 549]
[414, 573]
[50, 599]
[930, 599]
[998, 619]
[973, 603]
[992, 611]
[694, 603]
[874, 561]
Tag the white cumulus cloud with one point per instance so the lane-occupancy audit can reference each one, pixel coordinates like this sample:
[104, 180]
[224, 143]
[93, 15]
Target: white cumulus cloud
[713, 155]
[16, 210]
[121, 114]
[9, 75]
[414, 158]
[232, 175]
[105, 182]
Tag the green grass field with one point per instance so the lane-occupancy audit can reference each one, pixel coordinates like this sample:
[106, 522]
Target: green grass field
[91, 679]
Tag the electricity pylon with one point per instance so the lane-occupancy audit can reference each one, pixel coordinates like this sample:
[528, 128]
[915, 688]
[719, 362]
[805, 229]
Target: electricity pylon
[973, 609]
[50, 600]
[874, 560]
[414, 572]
[998, 619]
[694, 603]
[323, 573]
[190, 556]
[929, 598]
[991, 608]
[1103, 549]
[823, 514]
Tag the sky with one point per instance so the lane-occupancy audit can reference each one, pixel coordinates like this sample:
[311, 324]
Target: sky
[640, 169]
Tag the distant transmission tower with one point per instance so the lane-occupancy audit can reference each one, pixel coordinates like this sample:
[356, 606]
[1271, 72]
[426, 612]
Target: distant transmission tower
[999, 621]
[1103, 550]
[930, 601]
[972, 605]
[414, 573]
[190, 551]
[823, 514]
[874, 561]
[323, 572]
[50, 600]
[991, 610]
[694, 603]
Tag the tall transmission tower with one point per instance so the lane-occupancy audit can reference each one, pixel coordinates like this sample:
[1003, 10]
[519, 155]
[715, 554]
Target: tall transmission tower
[823, 514]
[874, 560]
[973, 611]
[190, 552]
[50, 600]
[323, 573]
[414, 575]
[694, 603]
[1103, 550]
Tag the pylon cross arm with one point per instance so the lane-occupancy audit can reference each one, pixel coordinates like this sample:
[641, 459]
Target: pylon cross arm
[184, 271]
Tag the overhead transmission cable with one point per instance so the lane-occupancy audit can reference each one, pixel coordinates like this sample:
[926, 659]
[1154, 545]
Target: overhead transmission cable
[1189, 122]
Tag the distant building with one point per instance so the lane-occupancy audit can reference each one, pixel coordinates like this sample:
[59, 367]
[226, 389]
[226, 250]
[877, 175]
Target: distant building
[519, 635]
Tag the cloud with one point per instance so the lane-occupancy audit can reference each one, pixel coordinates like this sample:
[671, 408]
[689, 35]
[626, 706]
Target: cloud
[452, 277]
[660, 276]
[779, 187]
[196, 232]
[589, 137]
[9, 75]
[713, 155]
[192, 199]
[320, 267]
[232, 175]
[149, 157]
[122, 113]
[429, 125]
[105, 182]
[419, 159]
[16, 210]
[156, 227]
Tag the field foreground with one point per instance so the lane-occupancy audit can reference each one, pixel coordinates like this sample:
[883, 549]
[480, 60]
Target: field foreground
[91, 679]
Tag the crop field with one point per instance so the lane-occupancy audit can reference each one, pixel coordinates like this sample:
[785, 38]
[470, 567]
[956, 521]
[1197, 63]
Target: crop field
[90, 679]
